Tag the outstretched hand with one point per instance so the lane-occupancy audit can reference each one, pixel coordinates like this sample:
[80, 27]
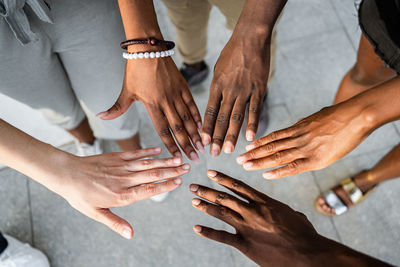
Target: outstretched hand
[95, 184]
[311, 144]
[267, 231]
[159, 85]
[240, 78]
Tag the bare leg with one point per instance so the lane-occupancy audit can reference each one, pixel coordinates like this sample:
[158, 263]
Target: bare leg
[368, 72]
[83, 132]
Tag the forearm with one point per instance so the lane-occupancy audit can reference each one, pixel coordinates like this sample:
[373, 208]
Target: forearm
[336, 254]
[139, 19]
[30, 156]
[258, 19]
[378, 105]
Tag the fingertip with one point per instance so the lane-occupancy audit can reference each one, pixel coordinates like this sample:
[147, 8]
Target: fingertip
[178, 181]
[215, 150]
[196, 201]
[268, 176]
[248, 165]
[101, 114]
[127, 232]
[211, 173]
[157, 149]
[197, 228]
[240, 159]
[194, 187]
[205, 139]
[250, 135]
[186, 167]
[193, 156]
[228, 147]
[199, 125]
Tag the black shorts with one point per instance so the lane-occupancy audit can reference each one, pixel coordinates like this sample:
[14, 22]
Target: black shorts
[380, 23]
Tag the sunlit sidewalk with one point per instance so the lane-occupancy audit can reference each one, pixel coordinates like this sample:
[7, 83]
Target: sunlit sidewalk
[317, 43]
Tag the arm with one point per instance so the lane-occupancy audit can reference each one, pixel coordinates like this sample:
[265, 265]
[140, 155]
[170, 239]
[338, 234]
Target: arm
[94, 184]
[326, 136]
[241, 77]
[268, 231]
[158, 84]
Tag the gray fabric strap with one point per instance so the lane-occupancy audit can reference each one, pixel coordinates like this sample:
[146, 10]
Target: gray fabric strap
[334, 202]
[13, 12]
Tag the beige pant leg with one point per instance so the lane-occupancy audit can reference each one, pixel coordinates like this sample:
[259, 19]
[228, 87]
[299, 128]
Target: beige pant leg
[190, 18]
[232, 10]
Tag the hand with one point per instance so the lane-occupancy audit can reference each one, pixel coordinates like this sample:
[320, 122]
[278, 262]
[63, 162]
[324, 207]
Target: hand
[267, 231]
[240, 77]
[311, 144]
[158, 84]
[93, 185]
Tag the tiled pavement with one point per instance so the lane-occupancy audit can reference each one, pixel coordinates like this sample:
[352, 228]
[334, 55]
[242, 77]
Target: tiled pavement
[317, 42]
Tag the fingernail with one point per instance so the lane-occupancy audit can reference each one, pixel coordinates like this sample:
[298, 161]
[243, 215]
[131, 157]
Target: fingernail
[101, 114]
[206, 139]
[194, 187]
[127, 233]
[178, 154]
[197, 228]
[215, 150]
[177, 160]
[268, 175]
[240, 159]
[199, 125]
[250, 135]
[200, 147]
[178, 181]
[250, 147]
[228, 147]
[196, 201]
[211, 173]
[248, 165]
[157, 149]
[186, 166]
[194, 157]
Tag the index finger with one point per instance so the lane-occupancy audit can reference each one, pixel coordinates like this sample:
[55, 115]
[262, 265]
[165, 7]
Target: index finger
[274, 136]
[236, 186]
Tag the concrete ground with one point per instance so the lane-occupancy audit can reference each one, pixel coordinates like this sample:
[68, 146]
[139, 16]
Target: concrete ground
[317, 43]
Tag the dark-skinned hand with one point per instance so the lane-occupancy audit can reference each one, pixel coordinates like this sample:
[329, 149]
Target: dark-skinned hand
[159, 85]
[240, 78]
[267, 231]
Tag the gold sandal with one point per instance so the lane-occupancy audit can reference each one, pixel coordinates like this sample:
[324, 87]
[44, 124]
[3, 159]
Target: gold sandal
[332, 200]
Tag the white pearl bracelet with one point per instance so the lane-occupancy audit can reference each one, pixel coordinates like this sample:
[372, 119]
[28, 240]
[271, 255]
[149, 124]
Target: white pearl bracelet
[141, 55]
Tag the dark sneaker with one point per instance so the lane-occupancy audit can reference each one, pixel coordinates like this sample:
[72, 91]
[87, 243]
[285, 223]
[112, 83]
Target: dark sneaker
[194, 76]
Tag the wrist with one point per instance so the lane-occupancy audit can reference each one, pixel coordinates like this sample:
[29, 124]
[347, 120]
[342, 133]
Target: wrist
[254, 38]
[51, 166]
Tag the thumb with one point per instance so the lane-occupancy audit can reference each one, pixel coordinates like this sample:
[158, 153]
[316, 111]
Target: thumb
[122, 104]
[114, 222]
